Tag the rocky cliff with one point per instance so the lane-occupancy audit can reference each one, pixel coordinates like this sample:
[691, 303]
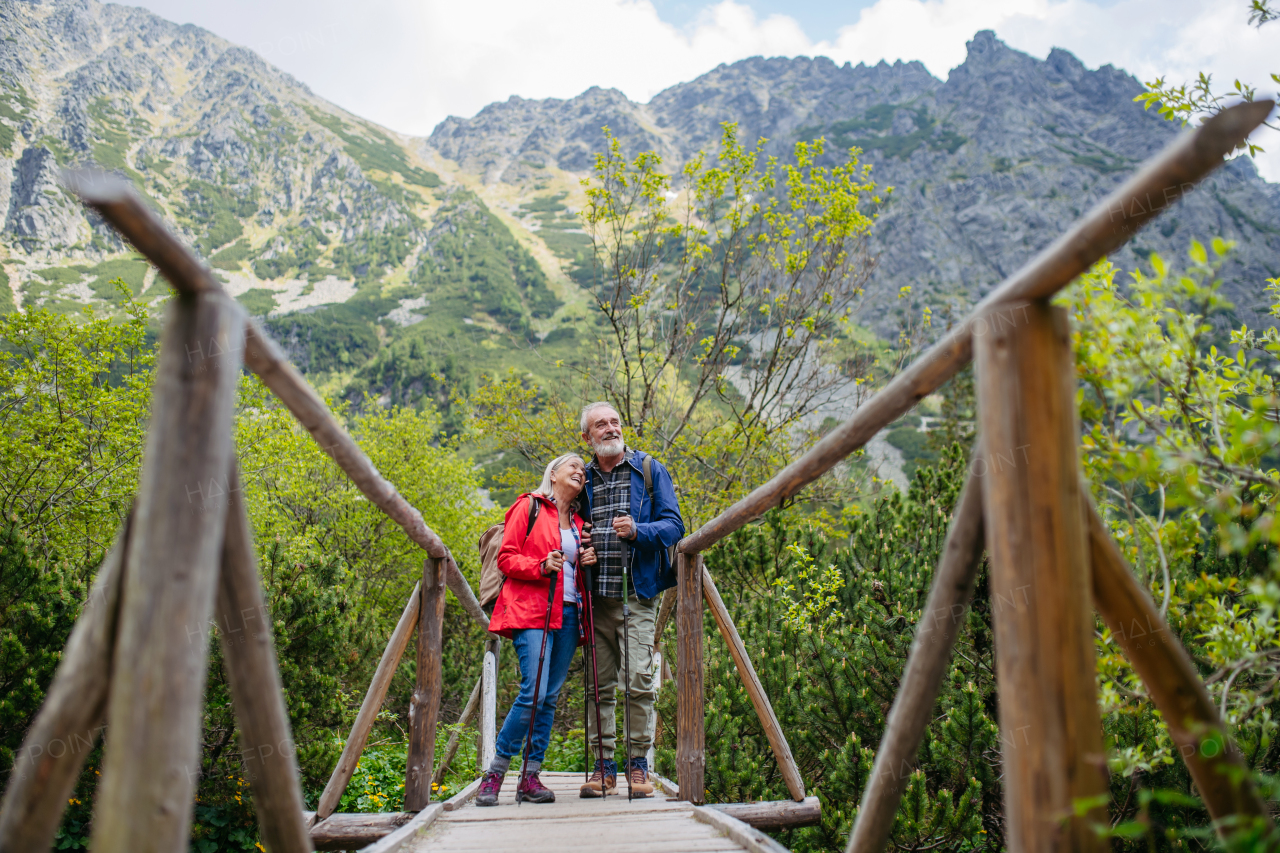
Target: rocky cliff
[358, 241]
[988, 166]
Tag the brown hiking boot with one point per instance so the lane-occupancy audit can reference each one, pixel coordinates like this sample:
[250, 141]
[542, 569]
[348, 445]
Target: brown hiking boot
[605, 776]
[638, 776]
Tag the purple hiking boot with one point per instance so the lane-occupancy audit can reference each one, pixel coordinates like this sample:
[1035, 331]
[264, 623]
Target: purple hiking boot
[490, 787]
[532, 790]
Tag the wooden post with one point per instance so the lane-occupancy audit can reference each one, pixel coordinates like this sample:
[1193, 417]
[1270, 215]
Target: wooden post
[927, 665]
[1037, 542]
[755, 690]
[71, 717]
[691, 758]
[489, 706]
[1171, 680]
[267, 751]
[155, 706]
[424, 710]
[369, 708]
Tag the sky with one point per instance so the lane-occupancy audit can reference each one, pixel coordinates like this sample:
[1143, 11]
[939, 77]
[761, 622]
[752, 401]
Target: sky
[407, 64]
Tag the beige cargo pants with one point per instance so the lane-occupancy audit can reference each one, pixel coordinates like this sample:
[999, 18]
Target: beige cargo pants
[609, 647]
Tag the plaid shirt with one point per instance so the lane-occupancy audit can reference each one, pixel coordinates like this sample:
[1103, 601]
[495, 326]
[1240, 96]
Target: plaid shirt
[610, 497]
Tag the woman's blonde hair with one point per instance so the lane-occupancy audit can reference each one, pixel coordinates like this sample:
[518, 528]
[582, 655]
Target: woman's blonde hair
[544, 488]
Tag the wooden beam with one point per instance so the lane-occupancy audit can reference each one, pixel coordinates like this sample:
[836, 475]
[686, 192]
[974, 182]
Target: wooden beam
[424, 707]
[113, 198]
[267, 751]
[397, 840]
[691, 758]
[354, 831]
[772, 816]
[46, 766]
[451, 748]
[369, 708]
[751, 839]
[489, 706]
[155, 705]
[1037, 540]
[1164, 666]
[940, 625]
[755, 690]
[344, 831]
[1158, 184]
[117, 202]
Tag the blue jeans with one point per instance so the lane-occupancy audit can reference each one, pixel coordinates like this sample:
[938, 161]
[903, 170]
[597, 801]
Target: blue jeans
[561, 645]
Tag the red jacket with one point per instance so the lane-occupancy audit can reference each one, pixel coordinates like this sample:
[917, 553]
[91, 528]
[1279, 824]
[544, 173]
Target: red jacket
[523, 600]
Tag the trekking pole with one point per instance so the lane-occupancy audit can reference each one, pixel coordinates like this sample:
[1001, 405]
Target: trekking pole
[537, 681]
[595, 675]
[626, 656]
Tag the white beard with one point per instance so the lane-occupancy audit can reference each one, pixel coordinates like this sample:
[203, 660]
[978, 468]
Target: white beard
[609, 448]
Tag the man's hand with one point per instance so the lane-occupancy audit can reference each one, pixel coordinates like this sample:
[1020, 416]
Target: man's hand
[624, 526]
[553, 563]
[586, 536]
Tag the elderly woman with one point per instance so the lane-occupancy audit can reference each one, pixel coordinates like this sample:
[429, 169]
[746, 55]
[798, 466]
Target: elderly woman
[532, 558]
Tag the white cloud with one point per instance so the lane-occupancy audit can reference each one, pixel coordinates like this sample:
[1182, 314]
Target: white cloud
[408, 64]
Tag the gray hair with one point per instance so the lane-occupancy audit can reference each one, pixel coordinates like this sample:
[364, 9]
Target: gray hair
[544, 488]
[591, 407]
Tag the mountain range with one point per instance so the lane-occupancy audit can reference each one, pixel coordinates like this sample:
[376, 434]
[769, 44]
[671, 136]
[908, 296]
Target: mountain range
[398, 265]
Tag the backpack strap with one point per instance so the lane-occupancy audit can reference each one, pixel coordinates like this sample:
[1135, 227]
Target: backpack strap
[646, 468]
[533, 515]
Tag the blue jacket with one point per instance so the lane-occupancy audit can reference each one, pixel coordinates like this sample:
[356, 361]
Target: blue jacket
[658, 525]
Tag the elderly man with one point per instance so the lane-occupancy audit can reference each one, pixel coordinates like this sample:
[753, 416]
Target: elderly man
[632, 506]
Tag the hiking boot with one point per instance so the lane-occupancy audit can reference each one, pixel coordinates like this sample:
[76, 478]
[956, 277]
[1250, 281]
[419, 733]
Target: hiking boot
[490, 787]
[532, 790]
[638, 777]
[605, 776]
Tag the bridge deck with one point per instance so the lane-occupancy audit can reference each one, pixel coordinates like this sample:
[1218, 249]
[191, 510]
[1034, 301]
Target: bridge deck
[652, 825]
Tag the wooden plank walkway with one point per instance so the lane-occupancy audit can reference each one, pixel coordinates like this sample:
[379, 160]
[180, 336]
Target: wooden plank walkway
[656, 824]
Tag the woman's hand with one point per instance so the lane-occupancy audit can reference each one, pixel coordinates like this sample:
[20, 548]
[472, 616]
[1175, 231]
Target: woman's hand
[587, 557]
[553, 563]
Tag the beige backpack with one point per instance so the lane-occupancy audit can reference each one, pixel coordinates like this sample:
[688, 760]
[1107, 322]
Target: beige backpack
[491, 577]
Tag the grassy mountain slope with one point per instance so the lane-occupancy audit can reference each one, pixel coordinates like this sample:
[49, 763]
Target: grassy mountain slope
[396, 266]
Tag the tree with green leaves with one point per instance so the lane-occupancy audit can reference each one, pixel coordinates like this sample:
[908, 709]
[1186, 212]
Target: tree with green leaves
[720, 292]
[74, 397]
[1181, 443]
[828, 613]
[1199, 99]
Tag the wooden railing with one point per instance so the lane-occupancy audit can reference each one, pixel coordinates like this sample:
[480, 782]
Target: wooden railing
[136, 660]
[177, 564]
[1052, 560]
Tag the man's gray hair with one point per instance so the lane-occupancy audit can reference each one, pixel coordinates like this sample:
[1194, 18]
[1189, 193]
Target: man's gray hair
[591, 407]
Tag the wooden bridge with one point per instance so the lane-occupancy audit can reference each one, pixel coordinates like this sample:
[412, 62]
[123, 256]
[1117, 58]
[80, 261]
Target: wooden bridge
[177, 564]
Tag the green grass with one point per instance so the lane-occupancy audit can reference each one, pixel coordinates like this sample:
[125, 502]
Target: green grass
[545, 204]
[217, 211]
[1100, 164]
[259, 301]
[14, 107]
[131, 270]
[111, 152]
[230, 257]
[62, 275]
[852, 133]
[6, 293]
[380, 152]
